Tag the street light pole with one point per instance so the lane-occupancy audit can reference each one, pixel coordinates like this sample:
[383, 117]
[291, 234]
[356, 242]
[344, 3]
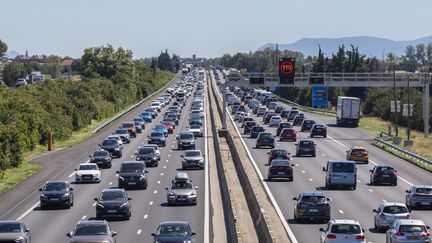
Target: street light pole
[395, 102]
[409, 108]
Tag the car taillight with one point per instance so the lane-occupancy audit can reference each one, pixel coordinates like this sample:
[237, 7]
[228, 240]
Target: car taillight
[360, 237]
[394, 173]
[399, 233]
[331, 236]
[425, 234]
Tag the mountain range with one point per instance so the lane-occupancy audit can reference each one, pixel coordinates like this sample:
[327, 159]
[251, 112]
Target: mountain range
[368, 45]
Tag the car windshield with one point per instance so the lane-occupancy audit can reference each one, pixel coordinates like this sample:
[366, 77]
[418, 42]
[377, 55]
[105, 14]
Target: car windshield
[146, 114]
[358, 151]
[285, 125]
[181, 185]
[132, 167]
[173, 230]
[395, 209]
[257, 129]
[100, 153]
[345, 229]
[314, 199]
[138, 119]
[186, 136]
[146, 151]
[424, 190]
[266, 135]
[121, 131]
[306, 143]
[156, 134]
[90, 229]
[343, 167]
[160, 126]
[280, 163]
[10, 227]
[195, 127]
[385, 170]
[277, 153]
[88, 167]
[319, 126]
[112, 196]
[109, 142]
[128, 125]
[192, 153]
[60, 186]
[412, 228]
[308, 122]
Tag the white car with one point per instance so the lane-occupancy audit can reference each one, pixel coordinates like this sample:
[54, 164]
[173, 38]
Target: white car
[116, 137]
[342, 230]
[157, 105]
[88, 172]
[388, 212]
[261, 111]
[197, 130]
[275, 120]
[408, 231]
[238, 114]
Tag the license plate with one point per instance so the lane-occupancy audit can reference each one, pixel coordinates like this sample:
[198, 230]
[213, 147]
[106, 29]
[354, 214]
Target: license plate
[413, 238]
[425, 203]
[386, 176]
[112, 211]
[131, 183]
[313, 210]
[281, 173]
[54, 199]
[181, 199]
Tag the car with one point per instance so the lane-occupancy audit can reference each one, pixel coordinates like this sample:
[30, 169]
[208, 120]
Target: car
[192, 159]
[185, 140]
[408, 231]
[116, 137]
[174, 117]
[88, 172]
[284, 113]
[281, 126]
[161, 128]
[387, 213]
[155, 146]
[275, 120]
[248, 126]
[265, 139]
[174, 231]
[197, 130]
[419, 196]
[234, 109]
[102, 158]
[113, 147]
[14, 231]
[288, 134]
[20, 82]
[148, 156]
[132, 174]
[255, 109]
[97, 231]
[170, 126]
[256, 130]
[342, 230]
[113, 203]
[156, 138]
[156, 105]
[318, 130]
[147, 116]
[138, 126]
[56, 193]
[340, 173]
[298, 119]
[307, 125]
[292, 114]
[181, 190]
[268, 117]
[381, 174]
[312, 206]
[272, 105]
[305, 147]
[130, 127]
[152, 112]
[278, 153]
[279, 109]
[358, 154]
[280, 168]
[141, 122]
[245, 119]
[238, 115]
[195, 121]
[261, 111]
[124, 134]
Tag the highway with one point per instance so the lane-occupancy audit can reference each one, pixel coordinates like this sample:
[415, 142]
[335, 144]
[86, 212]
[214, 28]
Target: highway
[345, 204]
[148, 206]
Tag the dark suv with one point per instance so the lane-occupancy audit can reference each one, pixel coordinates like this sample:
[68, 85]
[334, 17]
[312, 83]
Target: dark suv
[307, 125]
[97, 231]
[132, 174]
[278, 154]
[113, 203]
[312, 206]
[281, 126]
[102, 158]
[381, 174]
[255, 130]
[305, 147]
[56, 193]
[185, 140]
[112, 146]
[318, 130]
[148, 155]
[156, 138]
[265, 139]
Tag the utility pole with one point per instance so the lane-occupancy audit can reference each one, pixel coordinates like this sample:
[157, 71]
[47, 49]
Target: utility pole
[395, 102]
[409, 108]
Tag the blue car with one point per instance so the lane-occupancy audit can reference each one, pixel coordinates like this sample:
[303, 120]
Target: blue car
[147, 116]
[174, 231]
[161, 128]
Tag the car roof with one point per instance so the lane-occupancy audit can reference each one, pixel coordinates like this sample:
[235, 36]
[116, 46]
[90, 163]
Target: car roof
[193, 150]
[56, 181]
[358, 147]
[87, 164]
[385, 204]
[344, 221]
[312, 193]
[342, 161]
[173, 222]
[98, 222]
[411, 221]
[132, 162]
[11, 221]
[113, 190]
[422, 186]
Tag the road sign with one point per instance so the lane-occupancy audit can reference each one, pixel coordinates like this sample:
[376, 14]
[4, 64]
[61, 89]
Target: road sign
[392, 106]
[287, 70]
[405, 109]
[319, 96]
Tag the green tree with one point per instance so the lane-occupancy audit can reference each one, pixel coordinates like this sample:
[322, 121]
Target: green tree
[164, 61]
[3, 49]
[12, 71]
[409, 60]
[318, 66]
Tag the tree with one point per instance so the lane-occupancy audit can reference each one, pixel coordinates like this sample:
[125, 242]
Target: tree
[318, 66]
[3, 48]
[421, 54]
[164, 61]
[12, 71]
[409, 60]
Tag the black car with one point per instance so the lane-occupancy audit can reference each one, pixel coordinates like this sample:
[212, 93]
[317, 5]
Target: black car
[383, 174]
[112, 146]
[284, 113]
[265, 139]
[156, 138]
[248, 126]
[292, 114]
[279, 109]
[298, 119]
[113, 203]
[307, 125]
[318, 130]
[56, 193]
[102, 158]
[174, 231]
[281, 126]
[255, 130]
[234, 109]
[132, 174]
[148, 156]
[312, 206]
[185, 140]
[305, 147]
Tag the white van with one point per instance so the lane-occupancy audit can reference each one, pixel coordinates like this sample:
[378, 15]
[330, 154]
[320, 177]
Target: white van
[341, 173]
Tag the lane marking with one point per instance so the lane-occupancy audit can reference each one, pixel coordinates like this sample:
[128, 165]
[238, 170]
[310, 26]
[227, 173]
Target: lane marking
[155, 192]
[139, 232]
[340, 211]
[73, 173]
[145, 216]
[158, 182]
[164, 167]
[384, 200]
[370, 190]
[310, 179]
[28, 211]
[151, 203]
[110, 183]
[94, 204]
[304, 172]
[162, 174]
[336, 141]
[358, 181]
[84, 217]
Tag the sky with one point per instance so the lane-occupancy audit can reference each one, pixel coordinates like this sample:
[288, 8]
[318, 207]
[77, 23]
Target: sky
[202, 27]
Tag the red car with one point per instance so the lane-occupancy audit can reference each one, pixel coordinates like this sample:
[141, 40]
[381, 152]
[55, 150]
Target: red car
[169, 125]
[288, 134]
[268, 117]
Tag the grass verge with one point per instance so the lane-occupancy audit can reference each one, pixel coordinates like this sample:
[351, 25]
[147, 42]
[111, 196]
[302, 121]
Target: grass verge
[14, 176]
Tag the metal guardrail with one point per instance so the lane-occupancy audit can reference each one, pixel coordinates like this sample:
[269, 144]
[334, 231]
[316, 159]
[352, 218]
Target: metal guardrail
[406, 154]
[105, 123]
[305, 108]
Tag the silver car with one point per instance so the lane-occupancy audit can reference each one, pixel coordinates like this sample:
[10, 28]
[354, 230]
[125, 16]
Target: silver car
[388, 212]
[408, 231]
[419, 196]
[14, 231]
[181, 190]
[193, 158]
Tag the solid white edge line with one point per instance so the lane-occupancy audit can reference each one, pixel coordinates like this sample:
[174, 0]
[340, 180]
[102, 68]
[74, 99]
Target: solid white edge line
[206, 181]
[269, 193]
[28, 211]
[73, 173]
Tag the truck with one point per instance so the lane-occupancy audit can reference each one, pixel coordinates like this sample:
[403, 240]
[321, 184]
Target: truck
[347, 111]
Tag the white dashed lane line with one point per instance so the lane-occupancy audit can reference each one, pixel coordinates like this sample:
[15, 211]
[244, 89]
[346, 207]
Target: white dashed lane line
[164, 167]
[110, 183]
[139, 232]
[162, 174]
[145, 216]
[155, 192]
[310, 179]
[73, 173]
[304, 172]
[340, 211]
[370, 190]
[84, 217]
[94, 204]
[158, 182]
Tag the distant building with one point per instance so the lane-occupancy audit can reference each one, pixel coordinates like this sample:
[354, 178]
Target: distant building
[194, 61]
[29, 59]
